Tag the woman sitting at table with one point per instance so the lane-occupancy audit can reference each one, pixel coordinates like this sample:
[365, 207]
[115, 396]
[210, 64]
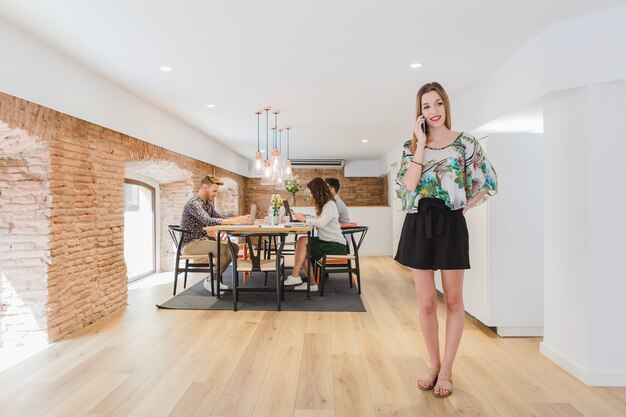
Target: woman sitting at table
[330, 240]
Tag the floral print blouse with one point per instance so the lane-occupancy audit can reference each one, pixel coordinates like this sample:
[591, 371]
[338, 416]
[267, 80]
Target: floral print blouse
[454, 174]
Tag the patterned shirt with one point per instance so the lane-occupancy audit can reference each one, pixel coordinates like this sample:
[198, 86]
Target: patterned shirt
[454, 174]
[198, 214]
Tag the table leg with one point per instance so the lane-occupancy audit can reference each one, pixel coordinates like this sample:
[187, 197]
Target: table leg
[219, 266]
[308, 265]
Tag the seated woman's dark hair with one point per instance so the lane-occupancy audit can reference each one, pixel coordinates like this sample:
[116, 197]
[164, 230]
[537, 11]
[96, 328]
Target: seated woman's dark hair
[320, 193]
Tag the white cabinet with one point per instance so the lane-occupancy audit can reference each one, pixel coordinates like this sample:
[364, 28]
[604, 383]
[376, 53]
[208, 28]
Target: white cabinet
[504, 287]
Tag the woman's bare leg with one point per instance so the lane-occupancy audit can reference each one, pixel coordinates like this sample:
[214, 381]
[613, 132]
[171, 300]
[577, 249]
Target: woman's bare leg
[452, 281]
[427, 300]
[300, 255]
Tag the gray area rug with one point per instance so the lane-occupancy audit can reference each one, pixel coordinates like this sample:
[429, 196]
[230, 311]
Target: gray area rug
[338, 296]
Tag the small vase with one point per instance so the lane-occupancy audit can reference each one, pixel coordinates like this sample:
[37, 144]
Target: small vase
[293, 199]
[274, 220]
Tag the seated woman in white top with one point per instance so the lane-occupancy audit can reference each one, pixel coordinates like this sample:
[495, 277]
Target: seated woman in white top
[330, 240]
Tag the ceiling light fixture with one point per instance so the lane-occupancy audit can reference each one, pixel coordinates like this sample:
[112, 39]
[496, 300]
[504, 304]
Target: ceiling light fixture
[165, 68]
[364, 141]
[258, 158]
[415, 65]
[266, 178]
[272, 171]
[288, 168]
[210, 106]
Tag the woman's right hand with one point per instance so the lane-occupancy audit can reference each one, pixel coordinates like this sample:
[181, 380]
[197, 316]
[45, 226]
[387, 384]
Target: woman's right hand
[418, 130]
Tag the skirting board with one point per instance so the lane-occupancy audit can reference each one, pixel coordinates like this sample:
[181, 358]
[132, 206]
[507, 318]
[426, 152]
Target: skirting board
[593, 379]
[519, 331]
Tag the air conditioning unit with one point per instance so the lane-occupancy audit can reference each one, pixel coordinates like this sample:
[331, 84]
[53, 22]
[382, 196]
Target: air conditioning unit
[317, 163]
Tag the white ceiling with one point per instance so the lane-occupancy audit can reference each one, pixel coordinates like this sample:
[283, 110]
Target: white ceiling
[338, 70]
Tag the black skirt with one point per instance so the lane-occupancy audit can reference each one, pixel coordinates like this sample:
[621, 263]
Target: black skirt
[434, 238]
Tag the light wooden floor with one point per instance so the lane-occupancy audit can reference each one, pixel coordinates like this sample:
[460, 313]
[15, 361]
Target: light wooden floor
[149, 362]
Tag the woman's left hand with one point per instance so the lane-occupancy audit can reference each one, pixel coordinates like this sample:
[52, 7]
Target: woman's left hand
[299, 217]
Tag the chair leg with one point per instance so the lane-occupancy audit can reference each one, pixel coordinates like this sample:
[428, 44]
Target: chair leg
[350, 274]
[282, 283]
[175, 276]
[265, 281]
[358, 275]
[235, 289]
[278, 292]
[322, 276]
[186, 269]
[211, 273]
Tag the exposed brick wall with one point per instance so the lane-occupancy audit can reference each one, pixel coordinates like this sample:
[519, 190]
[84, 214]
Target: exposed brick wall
[354, 191]
[173, 198]
[66, 222]
[25, 211]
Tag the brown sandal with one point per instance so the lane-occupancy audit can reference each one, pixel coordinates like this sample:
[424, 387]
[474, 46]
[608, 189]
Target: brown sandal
[444, 377]
[431, 371]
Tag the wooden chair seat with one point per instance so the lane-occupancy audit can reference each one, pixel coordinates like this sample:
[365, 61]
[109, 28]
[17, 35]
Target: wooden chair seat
[267, 265]
[198, 258]
[339, 258]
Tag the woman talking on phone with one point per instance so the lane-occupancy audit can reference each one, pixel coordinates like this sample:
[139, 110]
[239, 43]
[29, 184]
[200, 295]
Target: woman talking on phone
[443, 175]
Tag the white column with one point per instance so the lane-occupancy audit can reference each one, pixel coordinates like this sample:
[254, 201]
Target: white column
[585, 228]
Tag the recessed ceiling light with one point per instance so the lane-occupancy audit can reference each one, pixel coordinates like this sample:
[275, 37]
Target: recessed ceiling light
[165, 68]
[210, 105]
[364, 141]
[415, 65]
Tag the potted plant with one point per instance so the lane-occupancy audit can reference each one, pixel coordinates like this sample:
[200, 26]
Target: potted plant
[277, 203]
[292, 186]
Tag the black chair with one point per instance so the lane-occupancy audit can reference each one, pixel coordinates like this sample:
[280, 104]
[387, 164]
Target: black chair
[256, 264]
[177, 235]
[343, 263]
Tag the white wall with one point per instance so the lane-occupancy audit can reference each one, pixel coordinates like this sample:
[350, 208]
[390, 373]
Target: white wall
[378, 219]
[361, 168]
[378, 239]
[516, 234]
[587, 50]
[35, 72]
[585, 276]
[607, 232]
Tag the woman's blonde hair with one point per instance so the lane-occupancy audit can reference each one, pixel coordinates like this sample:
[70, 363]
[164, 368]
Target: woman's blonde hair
[427, 88]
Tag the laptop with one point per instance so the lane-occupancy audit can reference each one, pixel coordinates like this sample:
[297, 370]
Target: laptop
[288, 210]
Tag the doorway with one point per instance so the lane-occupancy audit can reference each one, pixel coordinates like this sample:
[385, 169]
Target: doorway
[139, 229]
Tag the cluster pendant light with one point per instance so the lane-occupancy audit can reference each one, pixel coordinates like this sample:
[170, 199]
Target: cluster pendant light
[272, 171]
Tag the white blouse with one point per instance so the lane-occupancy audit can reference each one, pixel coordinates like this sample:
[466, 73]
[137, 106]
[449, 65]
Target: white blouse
[327, 224]
[454, 174]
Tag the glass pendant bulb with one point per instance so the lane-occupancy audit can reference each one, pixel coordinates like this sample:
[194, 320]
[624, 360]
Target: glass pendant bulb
[278, 179]
[288, 174]
[258, 163]
[266, 178]
[275, 160]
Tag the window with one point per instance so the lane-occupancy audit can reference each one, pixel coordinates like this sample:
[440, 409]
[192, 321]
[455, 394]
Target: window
[139, 229]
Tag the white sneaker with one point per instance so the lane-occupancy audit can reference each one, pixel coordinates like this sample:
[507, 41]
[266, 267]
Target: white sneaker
[291, 280]
[207, 286]
[303, 287]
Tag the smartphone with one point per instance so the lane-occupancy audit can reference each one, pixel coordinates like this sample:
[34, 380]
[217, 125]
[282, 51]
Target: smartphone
[425, 128]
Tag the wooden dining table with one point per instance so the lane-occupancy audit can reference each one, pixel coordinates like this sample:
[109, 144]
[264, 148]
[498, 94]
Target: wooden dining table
[264, 230]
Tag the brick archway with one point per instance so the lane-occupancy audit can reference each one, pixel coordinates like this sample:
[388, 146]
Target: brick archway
[25, 223]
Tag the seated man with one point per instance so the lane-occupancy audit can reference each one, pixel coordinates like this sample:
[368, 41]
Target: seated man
[199, 213]
[344, 216]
